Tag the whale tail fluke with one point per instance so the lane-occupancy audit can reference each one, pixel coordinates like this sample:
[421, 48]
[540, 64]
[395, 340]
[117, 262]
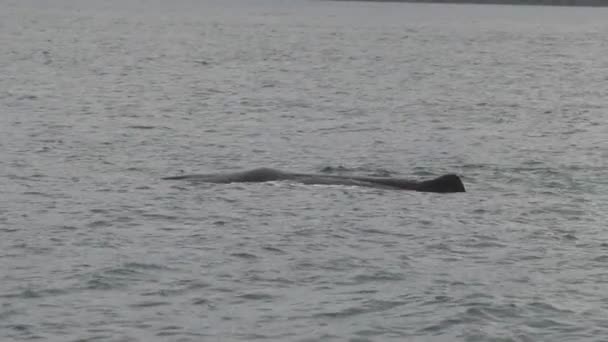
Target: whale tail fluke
[444, 184]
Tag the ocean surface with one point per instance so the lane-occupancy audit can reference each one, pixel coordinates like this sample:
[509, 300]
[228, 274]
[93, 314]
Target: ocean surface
[100, 99]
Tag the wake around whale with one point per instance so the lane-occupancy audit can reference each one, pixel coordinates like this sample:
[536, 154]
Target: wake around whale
[444, 184]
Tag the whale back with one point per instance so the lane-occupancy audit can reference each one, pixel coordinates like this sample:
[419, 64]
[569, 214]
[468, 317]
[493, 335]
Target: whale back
[443, 184]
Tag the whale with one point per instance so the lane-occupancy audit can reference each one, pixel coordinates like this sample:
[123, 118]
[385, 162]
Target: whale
[448, 183]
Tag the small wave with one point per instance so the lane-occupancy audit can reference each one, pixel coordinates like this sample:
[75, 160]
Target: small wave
[36, 193]
[99, 224]
[20, 327]
[546, 308]
[484, 244]
[118, 277]
[148, 304]
[161, 217]
[370, 306]
[201, 301]
[382, 232]
[141, 127]
[30, 293]
[27, 97]
[244, 255]
[601, 258]
[256, 296]
[546, 323]
[274, 249]
[475, 313]
[381, 276]
[143, 266]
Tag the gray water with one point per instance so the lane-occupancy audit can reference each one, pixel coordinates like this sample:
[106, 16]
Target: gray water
[99, 100]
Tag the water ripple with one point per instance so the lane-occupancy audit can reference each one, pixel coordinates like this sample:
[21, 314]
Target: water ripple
[100, 100]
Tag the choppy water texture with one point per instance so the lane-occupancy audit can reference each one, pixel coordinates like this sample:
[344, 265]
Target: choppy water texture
[99, 100]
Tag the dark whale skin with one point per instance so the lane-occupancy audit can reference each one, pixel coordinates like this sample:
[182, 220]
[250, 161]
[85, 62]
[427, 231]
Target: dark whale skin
[449, 183]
